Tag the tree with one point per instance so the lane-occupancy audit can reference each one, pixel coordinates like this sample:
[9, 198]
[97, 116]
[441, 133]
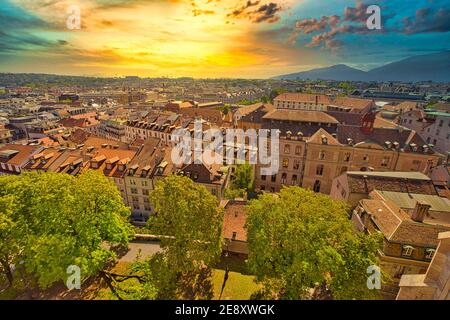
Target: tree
[299, 239]
[275, 93]
[225, 109]
[243, 177]
[49, 221]
[189, 221]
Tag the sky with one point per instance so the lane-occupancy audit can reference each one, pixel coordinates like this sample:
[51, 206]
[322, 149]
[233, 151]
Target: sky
[214, 38]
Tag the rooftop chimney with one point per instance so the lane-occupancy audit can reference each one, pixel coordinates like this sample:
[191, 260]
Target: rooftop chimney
[420, 211]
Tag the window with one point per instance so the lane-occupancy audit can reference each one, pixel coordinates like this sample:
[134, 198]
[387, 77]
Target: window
[234, 236]
[136, 206]
[441, 123]
[319, 170]
[416, 165]
[366, 157]
[321, 155]
[134, 190]
[132, 182]
[429, 253]
[135, 199]
[399, 272]
[263, 177]
[274, 178]
[144, 183]
[316, 187]
[147, 208]
[298, 150]
[347, 157]
[285, 163]
[296, 164]
[294, 179]
[287, 148]
[407, 250]
[283, 178]
[385, 162]
[145, 192]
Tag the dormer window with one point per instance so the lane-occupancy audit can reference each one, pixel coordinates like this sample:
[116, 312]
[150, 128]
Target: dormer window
[407, 250]
[429, 253]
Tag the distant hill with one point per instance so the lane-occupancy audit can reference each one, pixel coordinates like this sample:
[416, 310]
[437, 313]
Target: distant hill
[338, 72]
[434, 67]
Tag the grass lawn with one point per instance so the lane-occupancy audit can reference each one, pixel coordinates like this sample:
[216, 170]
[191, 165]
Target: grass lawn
[238, 286]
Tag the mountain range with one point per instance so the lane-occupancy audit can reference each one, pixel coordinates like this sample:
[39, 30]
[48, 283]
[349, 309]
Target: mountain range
[434, 67]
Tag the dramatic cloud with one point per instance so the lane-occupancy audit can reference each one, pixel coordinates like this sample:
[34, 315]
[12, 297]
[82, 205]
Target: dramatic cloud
[353, 21]
[264, 13]
[357, 14]
[427, 20]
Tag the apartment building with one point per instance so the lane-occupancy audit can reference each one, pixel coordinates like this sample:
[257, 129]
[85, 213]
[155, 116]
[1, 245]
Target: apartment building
[353, 186]
[14, 157]
[5, 134]
[159, 125]
[113, 129]
[432, 126]
[291, 100]
[233, 231]
[215, 177]
[435, 283]
[410, 239]
[138, 178]
[327, 149]
[321, 102]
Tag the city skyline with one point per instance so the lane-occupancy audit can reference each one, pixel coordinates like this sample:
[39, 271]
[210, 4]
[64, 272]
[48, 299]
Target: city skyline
[214, 39]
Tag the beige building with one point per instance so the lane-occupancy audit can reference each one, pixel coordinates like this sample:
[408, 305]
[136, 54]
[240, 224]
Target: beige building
[435, 283]
[353, 186]
[138, 178]
[291, 100]
[321, 102]
[410, 238]
[234, 232]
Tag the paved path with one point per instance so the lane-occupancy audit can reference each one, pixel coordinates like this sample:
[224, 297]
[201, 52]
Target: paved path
[147, 248]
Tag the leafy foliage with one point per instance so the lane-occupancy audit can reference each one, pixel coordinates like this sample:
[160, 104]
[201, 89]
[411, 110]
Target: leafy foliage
[49, 221]
[299, 239]
[243, 177]
[190, 224]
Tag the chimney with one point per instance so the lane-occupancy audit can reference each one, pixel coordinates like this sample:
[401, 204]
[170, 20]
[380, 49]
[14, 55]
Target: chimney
[420, 211]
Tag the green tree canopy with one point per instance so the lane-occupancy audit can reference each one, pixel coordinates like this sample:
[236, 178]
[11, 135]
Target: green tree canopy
[243, 177]
[49, 221]
[189, 221]
[298, 239]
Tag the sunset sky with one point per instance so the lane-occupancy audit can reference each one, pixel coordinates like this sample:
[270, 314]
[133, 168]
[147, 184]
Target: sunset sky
[214, 38]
